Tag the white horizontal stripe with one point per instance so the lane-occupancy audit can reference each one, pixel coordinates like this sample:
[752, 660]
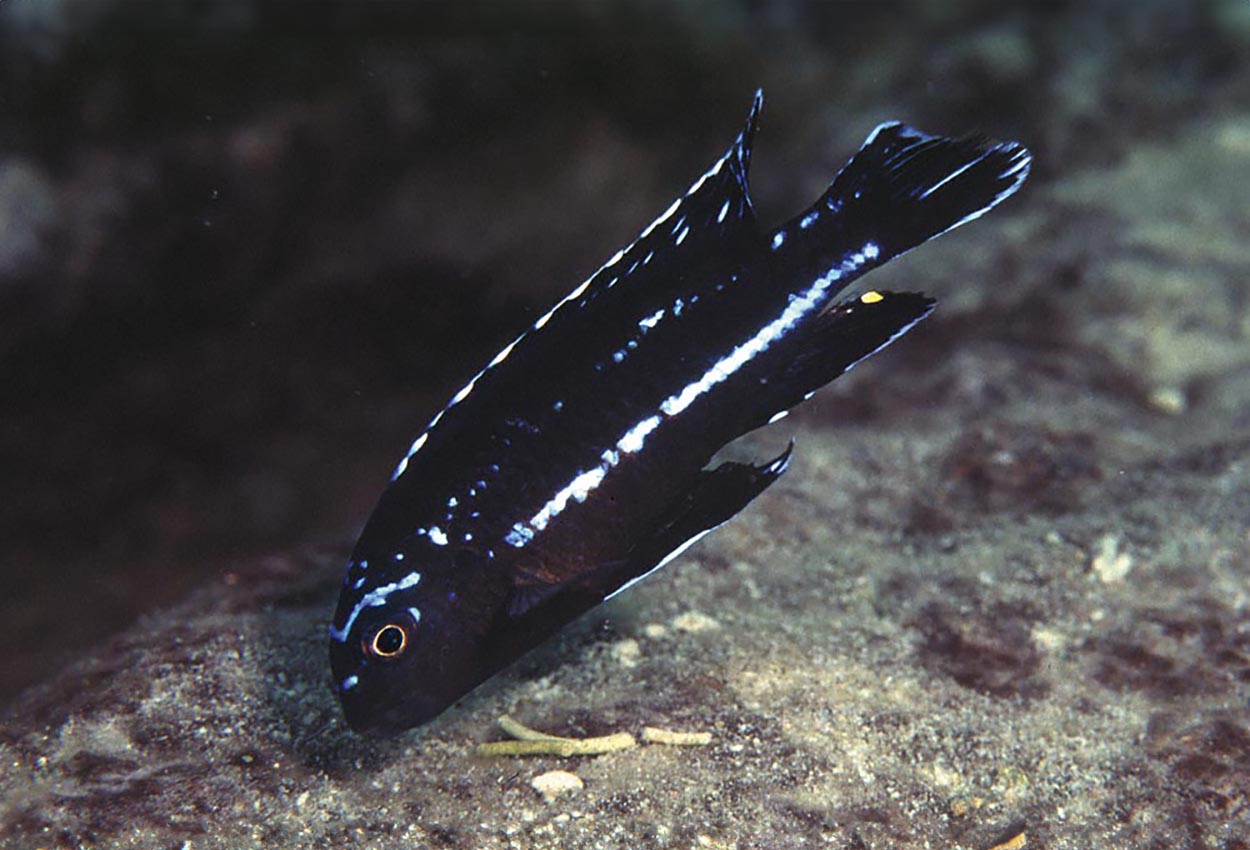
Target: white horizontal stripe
[373, 599]
[633, 439]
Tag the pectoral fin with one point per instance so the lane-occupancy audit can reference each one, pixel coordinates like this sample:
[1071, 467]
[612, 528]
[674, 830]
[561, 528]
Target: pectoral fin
[532, 592]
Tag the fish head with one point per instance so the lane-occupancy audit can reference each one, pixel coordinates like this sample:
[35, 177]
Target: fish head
[404, 644]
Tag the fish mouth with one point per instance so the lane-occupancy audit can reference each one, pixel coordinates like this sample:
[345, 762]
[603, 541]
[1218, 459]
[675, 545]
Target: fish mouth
[374, 703]
[380, 718]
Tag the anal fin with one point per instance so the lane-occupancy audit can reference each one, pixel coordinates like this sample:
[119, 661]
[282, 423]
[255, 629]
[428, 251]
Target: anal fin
[842, 336]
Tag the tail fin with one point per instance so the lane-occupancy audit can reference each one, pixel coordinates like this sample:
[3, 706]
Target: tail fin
[902, 188]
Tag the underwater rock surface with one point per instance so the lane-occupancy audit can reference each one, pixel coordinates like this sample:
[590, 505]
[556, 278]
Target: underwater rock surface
[1002, 590]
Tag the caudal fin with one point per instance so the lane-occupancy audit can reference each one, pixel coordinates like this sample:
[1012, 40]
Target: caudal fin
[902, 188]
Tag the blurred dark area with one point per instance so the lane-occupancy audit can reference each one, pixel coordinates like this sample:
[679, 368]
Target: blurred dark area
[248, 247]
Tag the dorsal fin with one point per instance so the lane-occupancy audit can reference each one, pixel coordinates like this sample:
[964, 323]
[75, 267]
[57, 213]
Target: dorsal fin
[715, 209]
[703, 228]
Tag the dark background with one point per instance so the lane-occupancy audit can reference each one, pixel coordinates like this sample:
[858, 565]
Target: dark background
[247, 248]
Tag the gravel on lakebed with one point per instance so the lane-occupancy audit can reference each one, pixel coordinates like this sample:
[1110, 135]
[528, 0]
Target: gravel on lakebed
[1002, 590]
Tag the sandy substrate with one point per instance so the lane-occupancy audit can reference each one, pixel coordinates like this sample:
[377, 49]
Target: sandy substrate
[1001, 591]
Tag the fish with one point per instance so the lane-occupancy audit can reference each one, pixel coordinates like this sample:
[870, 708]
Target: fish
[579, 459]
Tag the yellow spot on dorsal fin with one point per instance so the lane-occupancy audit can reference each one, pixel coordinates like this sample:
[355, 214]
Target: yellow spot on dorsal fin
[872, 296]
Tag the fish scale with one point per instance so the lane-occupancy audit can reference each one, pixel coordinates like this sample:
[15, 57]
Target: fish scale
[575, 462]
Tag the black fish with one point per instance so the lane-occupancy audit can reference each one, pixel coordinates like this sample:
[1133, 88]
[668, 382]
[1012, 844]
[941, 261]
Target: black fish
[575, 463]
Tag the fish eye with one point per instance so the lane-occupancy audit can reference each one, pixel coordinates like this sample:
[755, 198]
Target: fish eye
[388, 642]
